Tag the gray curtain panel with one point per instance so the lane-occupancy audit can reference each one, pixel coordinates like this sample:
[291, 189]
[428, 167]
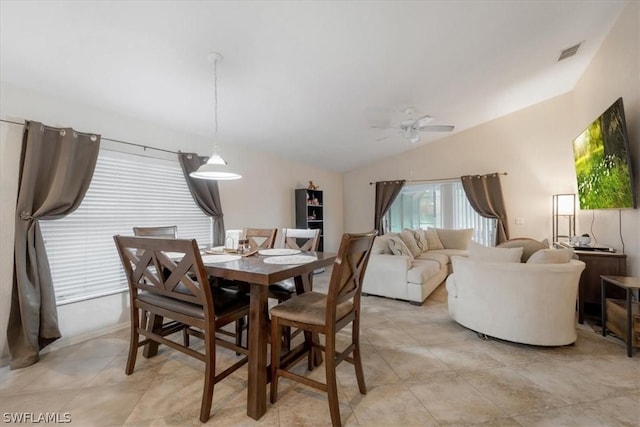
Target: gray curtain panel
[205, 193]
[485, 195]
[386, 193]
[56, 168]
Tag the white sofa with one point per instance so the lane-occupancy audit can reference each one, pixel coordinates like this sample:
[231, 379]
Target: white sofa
[412, 278]
[520, 302]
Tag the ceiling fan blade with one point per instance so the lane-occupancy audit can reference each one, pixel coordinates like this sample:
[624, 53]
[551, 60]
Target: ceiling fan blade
[436, 128]
[422, 121]
[381, 127]
[388, 136]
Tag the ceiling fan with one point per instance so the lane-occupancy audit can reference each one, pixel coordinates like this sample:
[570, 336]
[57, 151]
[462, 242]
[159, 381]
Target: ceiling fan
[414, 123]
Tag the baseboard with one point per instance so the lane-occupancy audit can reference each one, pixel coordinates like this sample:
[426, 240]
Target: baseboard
[68, 341]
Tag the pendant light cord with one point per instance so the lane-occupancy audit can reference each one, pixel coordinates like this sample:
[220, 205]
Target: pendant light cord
[215, 102]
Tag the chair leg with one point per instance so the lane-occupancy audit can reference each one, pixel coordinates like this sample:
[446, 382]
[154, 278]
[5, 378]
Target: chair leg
[332, 388]
[275, 358]
[209, 378]
[357, 360]
[286, 338]
[154, 323]
[185, 335]
[239, 329]
[134, 339]
[308, 342]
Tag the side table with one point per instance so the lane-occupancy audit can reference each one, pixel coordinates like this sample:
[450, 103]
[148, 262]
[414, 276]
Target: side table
[629, 284]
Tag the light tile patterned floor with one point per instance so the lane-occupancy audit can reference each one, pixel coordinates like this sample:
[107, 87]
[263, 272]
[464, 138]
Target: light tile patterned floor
[421, 369]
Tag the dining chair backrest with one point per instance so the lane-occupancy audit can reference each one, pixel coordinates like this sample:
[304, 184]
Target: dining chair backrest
[260, 238]
[301, 238]
[170, 231]
[165, 267]
[348, 271]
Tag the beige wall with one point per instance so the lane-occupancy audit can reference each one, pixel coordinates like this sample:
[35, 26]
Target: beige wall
[263, 198]
[534, 147]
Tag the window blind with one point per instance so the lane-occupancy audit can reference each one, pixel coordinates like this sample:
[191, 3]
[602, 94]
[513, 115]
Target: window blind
[126, 191]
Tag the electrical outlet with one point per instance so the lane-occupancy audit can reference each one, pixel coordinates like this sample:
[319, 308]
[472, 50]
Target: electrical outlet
[519, 220]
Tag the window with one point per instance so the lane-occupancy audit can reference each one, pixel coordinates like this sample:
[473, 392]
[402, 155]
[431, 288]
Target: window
[126, 191]
[440, 205]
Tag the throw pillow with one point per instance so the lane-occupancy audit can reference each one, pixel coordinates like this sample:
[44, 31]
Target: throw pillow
[478, 252]
[421, 240]
[551, 256]
[455, 238]
[398, 247]
[529, 246]
[410, 241]
[381, 245]
[433, 241]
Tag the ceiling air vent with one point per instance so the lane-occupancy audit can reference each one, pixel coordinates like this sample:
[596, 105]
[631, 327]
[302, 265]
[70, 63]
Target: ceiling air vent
[569, 52]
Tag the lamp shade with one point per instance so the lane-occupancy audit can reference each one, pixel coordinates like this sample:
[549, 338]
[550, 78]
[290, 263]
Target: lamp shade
[214, 169]
[566, 204]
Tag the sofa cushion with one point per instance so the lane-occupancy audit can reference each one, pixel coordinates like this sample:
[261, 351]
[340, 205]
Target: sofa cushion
[407, 238]
[433, 241]
[551, 256]
[478, 252]
[442, 259]
[529, 246]
[422, 270]
[455, 238]
[398, 247]
[381, 245]
[420, 238]
[450, 252]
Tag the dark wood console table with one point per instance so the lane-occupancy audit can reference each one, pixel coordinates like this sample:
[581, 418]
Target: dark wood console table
[598, 264]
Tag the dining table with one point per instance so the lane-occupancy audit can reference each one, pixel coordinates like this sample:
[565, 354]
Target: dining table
[260, 271]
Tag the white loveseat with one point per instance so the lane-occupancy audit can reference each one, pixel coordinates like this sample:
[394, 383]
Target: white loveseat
[410, 277]
[520, 302]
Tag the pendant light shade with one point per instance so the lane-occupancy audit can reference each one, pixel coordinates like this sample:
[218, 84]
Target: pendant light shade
[215, 169]
[216, 166]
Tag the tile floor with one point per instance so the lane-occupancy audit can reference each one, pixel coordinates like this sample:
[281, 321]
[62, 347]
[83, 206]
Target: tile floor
[421, 369]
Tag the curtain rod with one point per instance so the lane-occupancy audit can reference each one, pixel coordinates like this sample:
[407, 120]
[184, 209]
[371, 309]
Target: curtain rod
[436, 179]
[144, 147]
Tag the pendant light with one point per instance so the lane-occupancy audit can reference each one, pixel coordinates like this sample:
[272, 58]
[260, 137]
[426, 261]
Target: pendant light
[215, 168]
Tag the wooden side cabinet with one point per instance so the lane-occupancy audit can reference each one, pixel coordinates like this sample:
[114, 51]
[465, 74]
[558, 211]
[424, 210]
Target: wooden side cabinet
[589, 292]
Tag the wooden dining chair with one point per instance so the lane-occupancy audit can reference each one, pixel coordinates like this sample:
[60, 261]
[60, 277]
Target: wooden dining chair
[167, 232]
[303, 240]
[318, 313]
[260, 238]
[183, 295]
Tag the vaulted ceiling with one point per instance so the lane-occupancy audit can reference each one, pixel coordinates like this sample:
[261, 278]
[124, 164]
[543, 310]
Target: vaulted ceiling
[311, 81]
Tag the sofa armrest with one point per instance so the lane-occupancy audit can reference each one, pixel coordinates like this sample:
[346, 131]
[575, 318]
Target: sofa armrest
[389, 262]
[386, 275]
[452, 289]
